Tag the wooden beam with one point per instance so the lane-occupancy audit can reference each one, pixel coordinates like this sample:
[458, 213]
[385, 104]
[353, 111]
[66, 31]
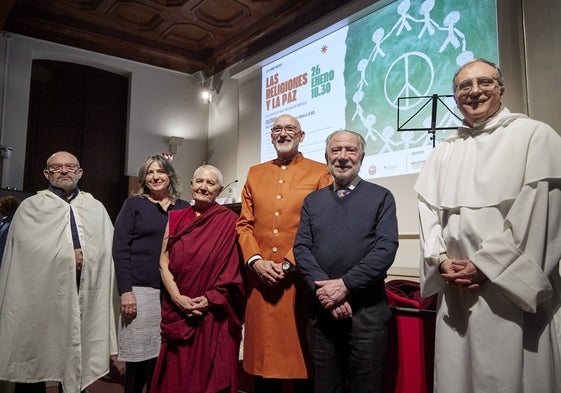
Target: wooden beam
[5, 9]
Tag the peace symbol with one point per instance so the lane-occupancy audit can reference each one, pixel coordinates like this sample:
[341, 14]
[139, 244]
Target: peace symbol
[410, 75]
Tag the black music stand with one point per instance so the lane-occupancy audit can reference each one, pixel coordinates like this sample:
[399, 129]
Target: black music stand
[434, 100]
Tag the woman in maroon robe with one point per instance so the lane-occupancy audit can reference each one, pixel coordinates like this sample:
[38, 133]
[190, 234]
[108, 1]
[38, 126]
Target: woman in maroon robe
[204, 295]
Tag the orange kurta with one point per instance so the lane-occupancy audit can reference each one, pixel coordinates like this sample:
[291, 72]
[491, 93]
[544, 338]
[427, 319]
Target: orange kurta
[275, 322]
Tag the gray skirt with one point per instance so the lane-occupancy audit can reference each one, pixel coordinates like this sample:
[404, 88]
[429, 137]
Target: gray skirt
[139, 339]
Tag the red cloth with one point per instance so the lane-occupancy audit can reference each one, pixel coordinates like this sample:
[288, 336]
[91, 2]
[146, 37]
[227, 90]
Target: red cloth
[409, 366]
[406, 293]
[200, 354]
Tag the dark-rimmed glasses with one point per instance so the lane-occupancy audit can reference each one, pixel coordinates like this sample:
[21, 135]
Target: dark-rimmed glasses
[56, 168]
[484, 83]
[290, 130]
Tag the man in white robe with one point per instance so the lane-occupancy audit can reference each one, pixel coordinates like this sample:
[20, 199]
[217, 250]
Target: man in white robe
[56, 285]
[490, 215]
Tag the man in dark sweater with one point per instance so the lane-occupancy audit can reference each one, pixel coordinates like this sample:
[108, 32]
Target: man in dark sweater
[346, 241]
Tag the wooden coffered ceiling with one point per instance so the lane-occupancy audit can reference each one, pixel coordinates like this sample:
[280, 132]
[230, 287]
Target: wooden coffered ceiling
[182, 35]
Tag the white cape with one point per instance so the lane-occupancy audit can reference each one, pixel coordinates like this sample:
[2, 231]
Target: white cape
[49, 331]
[492, 194]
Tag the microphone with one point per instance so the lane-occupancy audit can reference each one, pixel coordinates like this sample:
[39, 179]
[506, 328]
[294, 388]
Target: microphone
[228, 185]
[231, 197]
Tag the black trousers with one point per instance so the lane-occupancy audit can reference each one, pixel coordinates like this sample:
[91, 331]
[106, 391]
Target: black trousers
[349, 355]
[138, 375]
[272, 385]
[39, 387]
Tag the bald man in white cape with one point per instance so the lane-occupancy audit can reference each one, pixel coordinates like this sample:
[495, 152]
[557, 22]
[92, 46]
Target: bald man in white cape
[51, 330]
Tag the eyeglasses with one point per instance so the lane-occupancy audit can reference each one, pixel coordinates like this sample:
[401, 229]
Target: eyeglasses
[484, 83]
[56, 168]
[290, 130]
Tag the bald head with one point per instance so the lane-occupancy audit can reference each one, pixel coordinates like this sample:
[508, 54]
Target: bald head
[63, 171]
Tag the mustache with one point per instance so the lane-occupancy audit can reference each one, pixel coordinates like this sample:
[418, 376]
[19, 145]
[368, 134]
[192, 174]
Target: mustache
[476, 100]
[283, 138]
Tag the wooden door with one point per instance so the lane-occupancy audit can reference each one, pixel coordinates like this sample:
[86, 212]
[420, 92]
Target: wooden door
[82, 110]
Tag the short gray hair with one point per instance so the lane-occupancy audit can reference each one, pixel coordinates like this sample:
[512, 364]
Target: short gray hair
[362, 141]
[211, 168]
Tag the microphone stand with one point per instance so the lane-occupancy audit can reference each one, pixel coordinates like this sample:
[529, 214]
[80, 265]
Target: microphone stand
[226, 187]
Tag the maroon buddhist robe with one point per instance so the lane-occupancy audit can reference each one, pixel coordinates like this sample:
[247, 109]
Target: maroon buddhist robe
[200, 354]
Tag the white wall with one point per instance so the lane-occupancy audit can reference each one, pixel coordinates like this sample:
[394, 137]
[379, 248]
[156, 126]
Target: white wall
[543, 53]
[223, 135]
[162, 103]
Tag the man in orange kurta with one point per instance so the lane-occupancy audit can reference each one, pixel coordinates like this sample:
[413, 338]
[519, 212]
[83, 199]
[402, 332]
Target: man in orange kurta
[272, 196]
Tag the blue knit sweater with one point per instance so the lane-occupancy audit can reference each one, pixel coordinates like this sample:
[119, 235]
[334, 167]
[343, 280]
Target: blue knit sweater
[137, 242]
[354, 238]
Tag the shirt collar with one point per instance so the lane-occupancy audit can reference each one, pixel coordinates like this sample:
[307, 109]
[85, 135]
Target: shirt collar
[62, 195]
[350, 186]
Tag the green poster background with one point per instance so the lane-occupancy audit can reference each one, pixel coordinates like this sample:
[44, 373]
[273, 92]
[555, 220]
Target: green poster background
[410, 49]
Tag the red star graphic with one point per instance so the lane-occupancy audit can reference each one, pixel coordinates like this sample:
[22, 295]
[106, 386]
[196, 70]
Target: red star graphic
[324, 49]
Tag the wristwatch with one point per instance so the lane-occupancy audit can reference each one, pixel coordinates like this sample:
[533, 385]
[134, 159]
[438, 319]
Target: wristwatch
[288, 266]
